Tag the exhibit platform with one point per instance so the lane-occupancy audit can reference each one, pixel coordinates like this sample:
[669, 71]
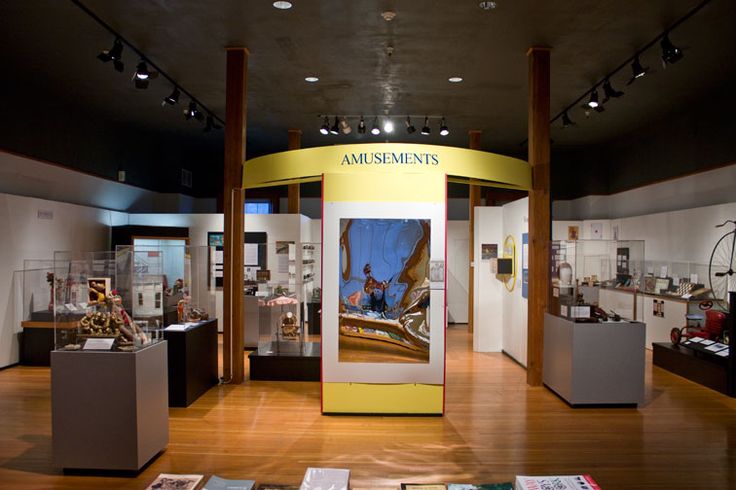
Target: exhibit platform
[297, 366]
[192, 356]
[709, 370]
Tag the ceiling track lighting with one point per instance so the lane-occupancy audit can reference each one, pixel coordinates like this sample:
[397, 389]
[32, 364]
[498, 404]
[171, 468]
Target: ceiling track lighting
[637, 70]
[388, 126]
[381, 124]
[443, 128]
[173, 98]
[671, 54]
[375, 130]
[143, 75]
[114, 54]
[325, 129]
[409, 126]
[335, 129]
[566, 121]
[425, 129]
[191, 112]
[609, 92]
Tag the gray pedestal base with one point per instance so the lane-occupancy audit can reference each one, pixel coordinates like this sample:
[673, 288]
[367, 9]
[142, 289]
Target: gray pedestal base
[109, 410]
[594, 363]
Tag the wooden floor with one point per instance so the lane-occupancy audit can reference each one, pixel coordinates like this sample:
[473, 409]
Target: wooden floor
[495, 427]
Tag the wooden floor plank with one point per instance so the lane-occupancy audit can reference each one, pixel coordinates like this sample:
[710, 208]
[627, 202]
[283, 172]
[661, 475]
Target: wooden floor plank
[495, 427]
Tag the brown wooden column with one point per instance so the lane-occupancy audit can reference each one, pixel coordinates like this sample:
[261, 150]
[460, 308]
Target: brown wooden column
[473, 201]
[539, 209]
[233, 197]
[295, 142]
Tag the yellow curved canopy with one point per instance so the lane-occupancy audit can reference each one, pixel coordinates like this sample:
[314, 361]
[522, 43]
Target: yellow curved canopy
[459, 164]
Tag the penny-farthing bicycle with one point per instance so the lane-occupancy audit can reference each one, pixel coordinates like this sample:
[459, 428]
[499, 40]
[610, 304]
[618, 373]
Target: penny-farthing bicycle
[721, 266]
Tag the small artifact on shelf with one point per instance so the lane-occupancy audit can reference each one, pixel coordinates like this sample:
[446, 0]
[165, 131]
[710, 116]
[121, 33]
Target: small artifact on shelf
[289, 327]
[198, 314]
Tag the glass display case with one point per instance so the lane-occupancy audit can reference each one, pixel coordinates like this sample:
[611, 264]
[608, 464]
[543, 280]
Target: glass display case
[580, 268]
[678, 279]
[103, 302]
[186, 292]
[281, 328]
[39, 287]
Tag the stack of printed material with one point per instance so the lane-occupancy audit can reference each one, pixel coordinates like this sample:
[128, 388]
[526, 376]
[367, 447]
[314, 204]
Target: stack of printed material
[569, 482]
[325, 479]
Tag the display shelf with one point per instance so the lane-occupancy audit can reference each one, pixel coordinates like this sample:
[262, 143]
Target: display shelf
[302, 366]
[696, 363]
[192, 362]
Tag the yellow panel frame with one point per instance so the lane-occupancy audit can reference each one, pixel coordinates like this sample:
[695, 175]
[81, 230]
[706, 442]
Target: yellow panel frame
[382, 398]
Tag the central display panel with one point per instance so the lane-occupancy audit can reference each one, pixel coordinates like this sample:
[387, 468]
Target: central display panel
[384, 290]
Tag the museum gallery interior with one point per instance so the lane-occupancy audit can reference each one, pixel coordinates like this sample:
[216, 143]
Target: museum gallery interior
[390, 245]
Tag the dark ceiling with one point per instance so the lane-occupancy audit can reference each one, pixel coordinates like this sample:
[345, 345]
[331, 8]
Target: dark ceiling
[54, 84]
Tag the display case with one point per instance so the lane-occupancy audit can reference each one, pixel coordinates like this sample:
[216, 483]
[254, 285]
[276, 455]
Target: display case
[280, 322]
[105, 303]
[35, 312]
[580, 269]
[676, 279]
[186, 292]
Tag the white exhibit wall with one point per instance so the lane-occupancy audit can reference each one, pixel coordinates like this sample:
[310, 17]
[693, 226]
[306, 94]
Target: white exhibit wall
[488, 309]
[514, 320]
[33, 229]
[686, 235]
[458, 234]
[692, 191]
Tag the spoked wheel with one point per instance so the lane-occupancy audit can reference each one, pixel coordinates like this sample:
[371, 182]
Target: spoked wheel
[675, 336]
[721, 267]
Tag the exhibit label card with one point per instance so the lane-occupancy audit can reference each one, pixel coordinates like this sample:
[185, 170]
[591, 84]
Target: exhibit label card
[98, 344]
[325, 478]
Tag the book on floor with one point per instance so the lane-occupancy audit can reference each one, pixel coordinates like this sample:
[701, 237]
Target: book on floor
[276, 486]
[325, 479]
[217, 483]
[566, 482]
[167, 481]
[423, 486]
[482, 486]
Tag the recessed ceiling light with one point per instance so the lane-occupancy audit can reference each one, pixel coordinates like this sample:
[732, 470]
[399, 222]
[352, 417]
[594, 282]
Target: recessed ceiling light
[282, 5]
[487, 5]
[455, 79]
[311, 79]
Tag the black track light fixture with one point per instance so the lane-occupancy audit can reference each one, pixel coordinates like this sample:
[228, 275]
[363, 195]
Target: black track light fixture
[211, 124]
[375, 130]
[335, 129]
[444, 131]
[325, 128]
[143, 76]
[409, 126]
[426, 129]
[114, 54]
[593, 101]
[361, 126]
[566, 121]
[173, 98]
[610, 92]
[191, 112]
[670, 53]
[637, 70]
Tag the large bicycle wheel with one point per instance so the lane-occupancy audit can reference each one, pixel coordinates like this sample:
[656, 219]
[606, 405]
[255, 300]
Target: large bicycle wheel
[721, 267]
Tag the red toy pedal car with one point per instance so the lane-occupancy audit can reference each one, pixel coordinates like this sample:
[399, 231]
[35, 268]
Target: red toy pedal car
[713, 329]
